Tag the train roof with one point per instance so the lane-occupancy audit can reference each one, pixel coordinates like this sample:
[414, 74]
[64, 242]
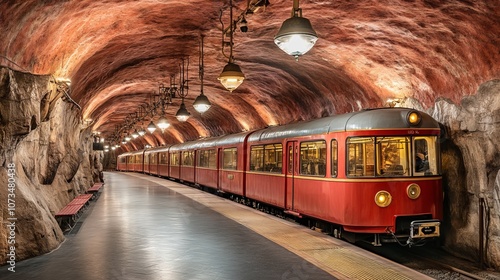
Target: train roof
[131, 153]
[382, 118]
[158, 149]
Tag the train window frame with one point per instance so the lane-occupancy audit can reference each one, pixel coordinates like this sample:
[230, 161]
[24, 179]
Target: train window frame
[230, 158]
[153, 158]
[431, 155]
[356, 162]
[162, 158]
[313, 167]
[174, 159]
[206, 158]
[187, 158]
[393, 156]
[334, 158]
[256, 157]
[266, 158]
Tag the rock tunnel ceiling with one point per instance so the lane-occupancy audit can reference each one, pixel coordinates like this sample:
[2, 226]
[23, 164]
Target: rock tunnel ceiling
[116, 53]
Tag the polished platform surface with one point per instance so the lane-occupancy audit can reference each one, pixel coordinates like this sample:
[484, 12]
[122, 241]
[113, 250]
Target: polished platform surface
[144, 227]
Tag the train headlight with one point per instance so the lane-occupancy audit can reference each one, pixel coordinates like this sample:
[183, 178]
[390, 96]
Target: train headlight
[413, 191]
[383, 198]
[414, 118]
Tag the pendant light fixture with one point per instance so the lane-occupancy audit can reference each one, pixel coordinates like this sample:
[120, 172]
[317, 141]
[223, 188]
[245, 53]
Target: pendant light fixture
[183, 114]
[151, 127]
[296, 35]
[163, 123]
[231, 76]
[201, 104]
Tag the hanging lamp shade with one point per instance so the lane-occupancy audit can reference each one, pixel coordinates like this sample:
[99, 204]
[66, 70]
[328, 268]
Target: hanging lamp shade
[182, 114]
[135, 134]
[296, 36]
[231, 76]
[163, 124]
[141, 131]
[202, 104]
[151, 127]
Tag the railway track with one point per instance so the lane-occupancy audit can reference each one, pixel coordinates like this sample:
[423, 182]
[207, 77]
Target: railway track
[433, 262]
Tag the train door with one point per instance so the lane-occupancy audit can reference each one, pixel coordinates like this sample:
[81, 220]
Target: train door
[290, 172]
[219, 168]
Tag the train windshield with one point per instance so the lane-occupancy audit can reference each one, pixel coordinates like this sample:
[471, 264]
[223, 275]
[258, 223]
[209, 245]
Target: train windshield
[392, 156]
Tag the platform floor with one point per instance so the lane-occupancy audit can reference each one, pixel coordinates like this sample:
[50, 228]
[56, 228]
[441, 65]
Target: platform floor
[144, 227]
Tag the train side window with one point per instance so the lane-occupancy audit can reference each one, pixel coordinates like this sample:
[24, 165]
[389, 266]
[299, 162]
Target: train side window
[360, 156]
[187, 158]
[312, 158]
[206, 158]
[335, 158]
[202, 158]
[163, 158]
[229, 158]
[256, 158]
[273, 155]
[426, 156]
[290, 160]
[174, 159]
[146, 158]
[393, 156]
[212, 159]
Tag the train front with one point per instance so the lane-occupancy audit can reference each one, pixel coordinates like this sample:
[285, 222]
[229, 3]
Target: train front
[394, 171]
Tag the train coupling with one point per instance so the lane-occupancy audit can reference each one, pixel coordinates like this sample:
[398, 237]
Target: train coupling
[421, 229]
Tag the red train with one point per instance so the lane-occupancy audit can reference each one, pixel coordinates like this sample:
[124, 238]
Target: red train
[368, 174]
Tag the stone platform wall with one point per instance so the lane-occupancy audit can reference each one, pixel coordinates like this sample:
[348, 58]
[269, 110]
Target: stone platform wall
[46, 152]
[470, 149]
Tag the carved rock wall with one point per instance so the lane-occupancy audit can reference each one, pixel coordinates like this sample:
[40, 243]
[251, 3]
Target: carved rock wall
[41, 135]
[471, 170]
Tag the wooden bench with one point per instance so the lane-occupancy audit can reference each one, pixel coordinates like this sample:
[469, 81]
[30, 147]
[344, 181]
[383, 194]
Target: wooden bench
[71, 212]
[94, 190]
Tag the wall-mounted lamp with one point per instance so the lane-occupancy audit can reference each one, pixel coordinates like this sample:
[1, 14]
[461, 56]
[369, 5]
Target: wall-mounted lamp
[231, 76]
[296, 35]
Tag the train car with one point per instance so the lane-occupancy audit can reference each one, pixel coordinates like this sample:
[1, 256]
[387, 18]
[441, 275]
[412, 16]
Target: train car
[206, 173]
[187, 162]
[146, 159]
[231, 152]
[174, 161]
[163, 159]
[373, 173]
[360, 171]
[122, 161]
[158, 161]
[136, 161]
[150, 162]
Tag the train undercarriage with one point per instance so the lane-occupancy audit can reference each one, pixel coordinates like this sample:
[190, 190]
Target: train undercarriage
[411, 230]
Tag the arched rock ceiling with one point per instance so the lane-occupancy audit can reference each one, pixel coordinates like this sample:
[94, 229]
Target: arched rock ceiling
[116, 53]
